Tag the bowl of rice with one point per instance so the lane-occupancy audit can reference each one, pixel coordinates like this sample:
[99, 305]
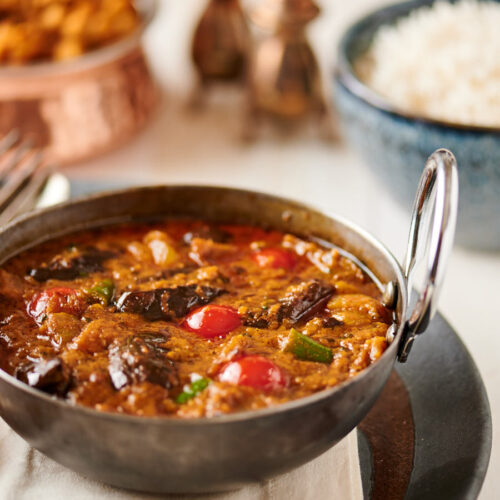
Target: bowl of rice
[417, 76]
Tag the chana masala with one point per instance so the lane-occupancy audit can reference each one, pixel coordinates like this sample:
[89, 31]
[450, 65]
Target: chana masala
[181, 318]
[55, 30]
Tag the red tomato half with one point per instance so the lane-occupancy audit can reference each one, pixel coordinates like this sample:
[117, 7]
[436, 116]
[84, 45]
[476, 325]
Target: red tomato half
[275, 258]
[254, 371]
[60, 299]
[212, 321]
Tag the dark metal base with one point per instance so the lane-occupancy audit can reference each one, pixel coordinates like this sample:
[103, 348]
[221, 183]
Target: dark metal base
[443, 447]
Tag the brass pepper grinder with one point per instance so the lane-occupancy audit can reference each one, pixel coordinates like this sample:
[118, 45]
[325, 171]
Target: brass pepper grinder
[284, 76]
[221, 44]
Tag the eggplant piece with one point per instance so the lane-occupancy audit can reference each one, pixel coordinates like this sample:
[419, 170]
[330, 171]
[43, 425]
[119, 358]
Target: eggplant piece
[331, 322]
[48, 375]
[207, 233]
[167, 303]
[307, 301]
[183, 299]
[141, 358]
[269, 318]
[301, 304]
[60, 268]
[147, 304]
[257, 320]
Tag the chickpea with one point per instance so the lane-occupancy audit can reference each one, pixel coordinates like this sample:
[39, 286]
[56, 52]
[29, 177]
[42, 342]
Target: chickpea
[34, 30]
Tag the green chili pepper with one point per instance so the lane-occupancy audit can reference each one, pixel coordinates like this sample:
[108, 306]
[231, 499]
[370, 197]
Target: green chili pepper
[192, 390]
[103, 291]
[307, 349]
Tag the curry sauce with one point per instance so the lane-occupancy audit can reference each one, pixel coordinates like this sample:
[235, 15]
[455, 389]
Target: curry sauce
[181, 318]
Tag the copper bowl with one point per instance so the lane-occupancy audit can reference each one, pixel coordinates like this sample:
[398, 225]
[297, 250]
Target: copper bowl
[85, 106]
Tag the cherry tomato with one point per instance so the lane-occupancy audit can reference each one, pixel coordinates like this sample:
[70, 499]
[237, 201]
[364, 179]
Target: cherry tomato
[212, 321]
[275, 258]
[254, 371]
[60, 299]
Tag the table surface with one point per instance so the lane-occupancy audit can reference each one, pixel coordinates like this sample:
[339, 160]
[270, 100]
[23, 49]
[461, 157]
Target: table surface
[180, 146]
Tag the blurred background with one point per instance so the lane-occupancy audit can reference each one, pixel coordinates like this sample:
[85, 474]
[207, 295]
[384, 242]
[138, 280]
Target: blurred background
[205, 145]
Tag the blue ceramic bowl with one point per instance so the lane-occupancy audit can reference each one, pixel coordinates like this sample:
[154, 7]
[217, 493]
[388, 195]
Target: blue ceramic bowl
[396, 144]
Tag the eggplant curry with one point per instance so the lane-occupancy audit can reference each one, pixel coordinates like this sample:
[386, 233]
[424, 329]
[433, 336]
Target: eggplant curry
[180, 318]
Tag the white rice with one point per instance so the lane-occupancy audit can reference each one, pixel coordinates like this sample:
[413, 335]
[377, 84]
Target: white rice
[441, 62]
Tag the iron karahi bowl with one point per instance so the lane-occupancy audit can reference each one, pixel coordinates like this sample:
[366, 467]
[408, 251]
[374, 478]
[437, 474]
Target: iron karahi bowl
[222, 453]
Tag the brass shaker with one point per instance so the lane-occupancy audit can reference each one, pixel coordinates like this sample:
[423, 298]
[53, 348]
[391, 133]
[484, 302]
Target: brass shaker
[284, 76]
[221, 43]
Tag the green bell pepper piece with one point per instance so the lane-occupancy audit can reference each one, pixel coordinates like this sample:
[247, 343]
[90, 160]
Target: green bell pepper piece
[192, 390]
[307, 349]
[103, 291]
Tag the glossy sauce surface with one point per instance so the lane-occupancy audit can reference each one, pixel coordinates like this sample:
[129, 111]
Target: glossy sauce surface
[184, 319]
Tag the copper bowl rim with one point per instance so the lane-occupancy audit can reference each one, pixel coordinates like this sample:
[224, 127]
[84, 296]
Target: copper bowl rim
[346, 75]
[324, 394]
[147, 11]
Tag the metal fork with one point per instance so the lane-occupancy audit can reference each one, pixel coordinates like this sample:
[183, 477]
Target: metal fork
[25, 177]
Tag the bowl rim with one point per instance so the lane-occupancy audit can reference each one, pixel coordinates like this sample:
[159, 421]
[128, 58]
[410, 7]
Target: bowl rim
[147, 10]
[346, 75]
[226, 418]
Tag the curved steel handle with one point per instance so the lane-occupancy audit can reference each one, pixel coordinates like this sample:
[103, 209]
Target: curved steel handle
[437, 192]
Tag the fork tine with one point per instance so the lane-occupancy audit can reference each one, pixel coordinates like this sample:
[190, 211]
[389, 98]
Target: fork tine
[23, 177]
[27, 196]
[8, 141]
[16, 159]
[17, 181]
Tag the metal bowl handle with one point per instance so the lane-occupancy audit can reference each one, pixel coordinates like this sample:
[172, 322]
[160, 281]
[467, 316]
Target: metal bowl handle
[437, 191]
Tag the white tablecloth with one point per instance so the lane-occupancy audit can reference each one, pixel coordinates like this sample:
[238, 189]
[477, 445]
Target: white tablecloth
[26, 474]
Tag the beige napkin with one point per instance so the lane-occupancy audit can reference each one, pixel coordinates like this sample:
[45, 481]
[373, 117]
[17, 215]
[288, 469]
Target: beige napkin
[26, 474]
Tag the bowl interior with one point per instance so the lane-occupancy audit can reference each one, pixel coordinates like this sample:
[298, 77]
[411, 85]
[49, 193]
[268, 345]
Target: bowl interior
[212, 204]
